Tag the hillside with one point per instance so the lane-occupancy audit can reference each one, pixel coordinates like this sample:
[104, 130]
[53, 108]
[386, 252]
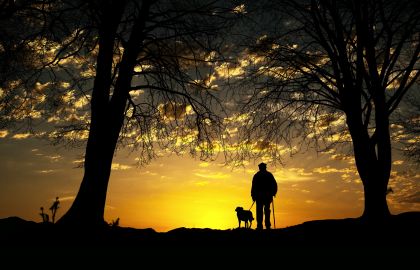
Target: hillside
[400, 235]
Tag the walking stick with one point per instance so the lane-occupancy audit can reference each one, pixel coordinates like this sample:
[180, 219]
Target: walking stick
[252, 205]
[274, 216]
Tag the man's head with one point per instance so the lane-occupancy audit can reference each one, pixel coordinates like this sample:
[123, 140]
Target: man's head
[262, 166]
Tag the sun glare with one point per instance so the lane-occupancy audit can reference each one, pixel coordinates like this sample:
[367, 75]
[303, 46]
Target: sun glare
[182, 192]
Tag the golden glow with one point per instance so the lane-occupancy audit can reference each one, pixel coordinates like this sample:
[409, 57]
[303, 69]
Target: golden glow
[21, 136]
[241, 9]
[40, 86]
[226, 70]
[3, 133]
[183, 192]
[81, 102]
[178, 191]
[117, 166]
[398, 162]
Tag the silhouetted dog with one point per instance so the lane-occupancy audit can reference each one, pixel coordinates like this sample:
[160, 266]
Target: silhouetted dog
[244, 215]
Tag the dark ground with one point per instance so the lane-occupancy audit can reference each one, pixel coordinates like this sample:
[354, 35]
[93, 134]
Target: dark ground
[396, 241]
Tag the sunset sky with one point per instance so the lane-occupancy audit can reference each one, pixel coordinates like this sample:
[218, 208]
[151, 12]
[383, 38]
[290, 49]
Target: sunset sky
[179, 191]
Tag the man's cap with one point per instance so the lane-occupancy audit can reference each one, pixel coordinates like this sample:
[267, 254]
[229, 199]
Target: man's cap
[262, 164]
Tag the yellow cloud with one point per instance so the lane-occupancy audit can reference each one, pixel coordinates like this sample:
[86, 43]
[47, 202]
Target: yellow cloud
[301, 171]
[54, 158]
[227, 70]
[46, 171]
[149, 173]
[345, 176]
[3, 133]
[240, 9]
[204, 164]
[21, 136]
[136, 93]
[328, 169]
[88, 73]
[81, 102]
[212, 175]
[40, 86]
[341, 157]
[118, 166]
[397, 162]
[142, 68]
[65, 85]
[78, 162]
[66, 198]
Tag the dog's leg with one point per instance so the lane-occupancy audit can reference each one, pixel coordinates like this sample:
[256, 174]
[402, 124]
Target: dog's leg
[239, 221]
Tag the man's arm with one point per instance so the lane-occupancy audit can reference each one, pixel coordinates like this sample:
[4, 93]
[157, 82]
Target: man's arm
[274, 185]
[253, 189]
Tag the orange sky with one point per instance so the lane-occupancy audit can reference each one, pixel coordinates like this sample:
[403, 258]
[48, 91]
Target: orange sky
[179, 191]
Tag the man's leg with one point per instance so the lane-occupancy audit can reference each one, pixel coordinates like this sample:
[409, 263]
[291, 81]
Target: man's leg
[259, 207]
[267, 215]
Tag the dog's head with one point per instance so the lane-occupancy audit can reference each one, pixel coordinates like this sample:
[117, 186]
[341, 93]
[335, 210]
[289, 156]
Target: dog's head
[238, 209]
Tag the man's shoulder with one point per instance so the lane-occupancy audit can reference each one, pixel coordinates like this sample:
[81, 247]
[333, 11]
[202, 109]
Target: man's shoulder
[271, 175]
[259, 174]
[263, 174]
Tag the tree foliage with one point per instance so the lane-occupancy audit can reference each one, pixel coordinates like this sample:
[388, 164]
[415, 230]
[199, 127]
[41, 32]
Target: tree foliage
[115, 73]
[331, 71]
[49, 62]
[317, 54]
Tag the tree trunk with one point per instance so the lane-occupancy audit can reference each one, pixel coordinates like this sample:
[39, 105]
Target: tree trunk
[376, 206]
[106, 122]
[107, 119]
[373, 171]
[374, 165]
[89, 205]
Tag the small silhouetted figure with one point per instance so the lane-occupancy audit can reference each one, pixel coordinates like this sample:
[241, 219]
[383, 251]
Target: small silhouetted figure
[45, 217]
[54, 208]
[264, 188]
[115, 223]
[244, 215]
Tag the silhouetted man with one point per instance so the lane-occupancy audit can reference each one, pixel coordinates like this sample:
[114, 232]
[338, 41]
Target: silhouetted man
[264, 187]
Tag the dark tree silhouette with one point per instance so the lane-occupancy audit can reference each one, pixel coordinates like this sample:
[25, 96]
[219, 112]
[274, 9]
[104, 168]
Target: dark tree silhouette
[336, 67]
[142, 66]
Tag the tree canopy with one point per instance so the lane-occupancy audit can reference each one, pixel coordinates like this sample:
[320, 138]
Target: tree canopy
[329, 71]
